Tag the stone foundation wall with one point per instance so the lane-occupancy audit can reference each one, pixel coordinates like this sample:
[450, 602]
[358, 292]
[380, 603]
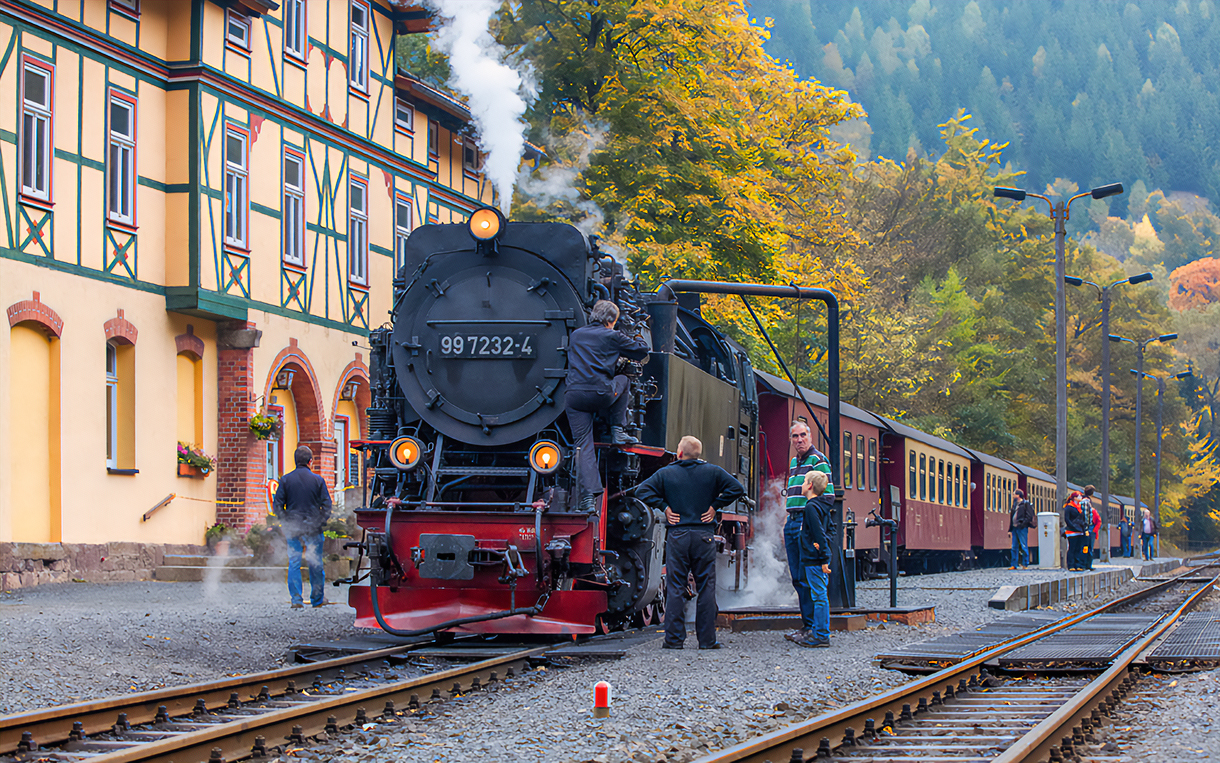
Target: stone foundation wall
[23, 565]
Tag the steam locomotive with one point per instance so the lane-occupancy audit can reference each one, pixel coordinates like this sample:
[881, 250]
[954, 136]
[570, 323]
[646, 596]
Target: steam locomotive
[470, 514]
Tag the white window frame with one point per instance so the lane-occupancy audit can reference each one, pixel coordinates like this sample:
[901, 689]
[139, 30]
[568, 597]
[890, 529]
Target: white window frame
[358, 47]
[36, 149]
[408, 124]
[401, 233]
[294, 212]
[128, 7]
[237, 184]
[434, 138]
[112, 406]
[243, 21]
[121, 163]
[358, 232]
[294, 28]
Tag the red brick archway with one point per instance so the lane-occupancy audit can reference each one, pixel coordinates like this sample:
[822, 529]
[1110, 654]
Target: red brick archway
[34, 311]
[314, 426]
[356, 371]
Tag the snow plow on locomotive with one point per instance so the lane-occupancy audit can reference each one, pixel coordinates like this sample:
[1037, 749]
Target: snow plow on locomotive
[470, 516]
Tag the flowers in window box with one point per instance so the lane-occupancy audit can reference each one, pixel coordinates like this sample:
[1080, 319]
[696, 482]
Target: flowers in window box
[192, 461]
[265, 426]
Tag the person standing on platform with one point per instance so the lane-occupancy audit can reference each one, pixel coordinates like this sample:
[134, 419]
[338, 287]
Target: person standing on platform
[1148, 532]
[593, 386]
[1093, 517]
[1077, 528]
[1020, 518]
[807, 459]
[816, 547]
[691, 491]
[1124, 535]
[303, 502]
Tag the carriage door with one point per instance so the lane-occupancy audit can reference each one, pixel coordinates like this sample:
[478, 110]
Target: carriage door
[341, 460]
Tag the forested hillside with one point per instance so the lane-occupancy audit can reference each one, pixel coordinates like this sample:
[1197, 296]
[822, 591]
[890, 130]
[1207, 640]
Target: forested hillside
[1097, 91]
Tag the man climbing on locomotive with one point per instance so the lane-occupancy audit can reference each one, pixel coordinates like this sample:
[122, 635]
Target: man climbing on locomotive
[593, 386]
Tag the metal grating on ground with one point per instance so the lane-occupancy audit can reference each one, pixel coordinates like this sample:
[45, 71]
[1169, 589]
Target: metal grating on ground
[1196, 638]
[956, 647]
[1096, 640]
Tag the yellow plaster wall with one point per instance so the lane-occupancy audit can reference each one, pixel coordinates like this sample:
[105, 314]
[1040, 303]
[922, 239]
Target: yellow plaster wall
[190, 399]
[291, 435]
[99, 507]
[33, 413]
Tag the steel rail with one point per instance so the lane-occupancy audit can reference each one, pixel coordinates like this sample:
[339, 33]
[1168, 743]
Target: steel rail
[237, 739]
[54, 725]
[1037, 744]
[807, 736]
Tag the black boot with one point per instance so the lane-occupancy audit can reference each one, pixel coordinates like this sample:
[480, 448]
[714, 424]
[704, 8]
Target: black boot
[588, 503]
[619, 436]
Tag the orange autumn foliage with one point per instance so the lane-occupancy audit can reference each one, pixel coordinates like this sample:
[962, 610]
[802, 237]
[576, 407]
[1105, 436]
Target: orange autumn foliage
[1195, 285]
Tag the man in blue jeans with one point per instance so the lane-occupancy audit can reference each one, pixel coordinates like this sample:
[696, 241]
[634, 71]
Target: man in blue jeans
[817, 557]
[1021, 517]
[807, 459]
[303, 504]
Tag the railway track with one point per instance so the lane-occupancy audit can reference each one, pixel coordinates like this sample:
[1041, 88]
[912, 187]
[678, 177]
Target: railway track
[962, 713]
[250, 716]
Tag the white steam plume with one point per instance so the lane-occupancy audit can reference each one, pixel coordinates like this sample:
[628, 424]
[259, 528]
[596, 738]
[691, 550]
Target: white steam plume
[497, 92]
[770, 582]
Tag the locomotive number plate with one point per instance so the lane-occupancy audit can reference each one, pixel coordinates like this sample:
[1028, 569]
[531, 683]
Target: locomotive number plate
[487, 345]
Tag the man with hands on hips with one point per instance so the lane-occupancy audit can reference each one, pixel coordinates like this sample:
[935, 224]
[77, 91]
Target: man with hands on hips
[691, 491]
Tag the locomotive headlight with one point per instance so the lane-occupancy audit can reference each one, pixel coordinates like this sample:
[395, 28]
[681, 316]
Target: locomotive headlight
[486, 224]
[545, 457]
[406, 453]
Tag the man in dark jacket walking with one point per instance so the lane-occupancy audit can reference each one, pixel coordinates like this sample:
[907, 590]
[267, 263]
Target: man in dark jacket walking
[593, 386]
[1020, 518]
[302, 502]
[691, 491]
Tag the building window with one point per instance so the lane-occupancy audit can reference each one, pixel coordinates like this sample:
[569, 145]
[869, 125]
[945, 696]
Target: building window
[357, 231]
[402, 230]
[434, 139]
[121, 160]
[294, 28]
[358, 53]
[237, 30]
[847, 459]
[404, 115]
[112, 406]
[36, 92]
[190, 398]
[294, 209]
[860, 480]
[872, 464]
[127, 7]
[237, 200]
[911, 493]
[471, 159]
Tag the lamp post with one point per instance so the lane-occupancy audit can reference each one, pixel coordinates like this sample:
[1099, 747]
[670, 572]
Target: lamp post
[1139, 397]
[1160, 412]
[1059, 213]
[1103, 294]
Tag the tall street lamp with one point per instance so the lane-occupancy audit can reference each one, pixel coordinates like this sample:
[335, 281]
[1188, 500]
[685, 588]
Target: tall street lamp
[1059, 213]
[1139, 397]
[1103, 293]
[1160, 411]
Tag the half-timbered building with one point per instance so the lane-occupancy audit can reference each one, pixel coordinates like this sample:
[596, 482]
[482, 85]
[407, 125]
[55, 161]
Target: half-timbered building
[201, 203]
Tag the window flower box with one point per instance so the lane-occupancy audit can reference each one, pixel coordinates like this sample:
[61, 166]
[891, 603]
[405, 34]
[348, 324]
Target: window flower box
[196, 472]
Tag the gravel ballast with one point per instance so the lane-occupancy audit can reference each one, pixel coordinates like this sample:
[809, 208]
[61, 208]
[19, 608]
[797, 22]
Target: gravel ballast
[73, 642]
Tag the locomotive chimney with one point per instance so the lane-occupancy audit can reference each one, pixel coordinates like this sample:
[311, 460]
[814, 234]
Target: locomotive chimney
[663, 316]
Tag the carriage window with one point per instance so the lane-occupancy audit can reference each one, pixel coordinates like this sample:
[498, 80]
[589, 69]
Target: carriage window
[847, 459]
[923, 477]
[957, 485]
[872, 464]
[987, 492]
[914, 482]
[940, 482]
[860, 479]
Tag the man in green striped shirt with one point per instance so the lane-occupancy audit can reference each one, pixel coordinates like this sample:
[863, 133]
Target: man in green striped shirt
[807, 459]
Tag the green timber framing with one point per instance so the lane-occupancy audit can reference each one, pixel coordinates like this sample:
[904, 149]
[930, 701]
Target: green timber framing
[198, 78]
